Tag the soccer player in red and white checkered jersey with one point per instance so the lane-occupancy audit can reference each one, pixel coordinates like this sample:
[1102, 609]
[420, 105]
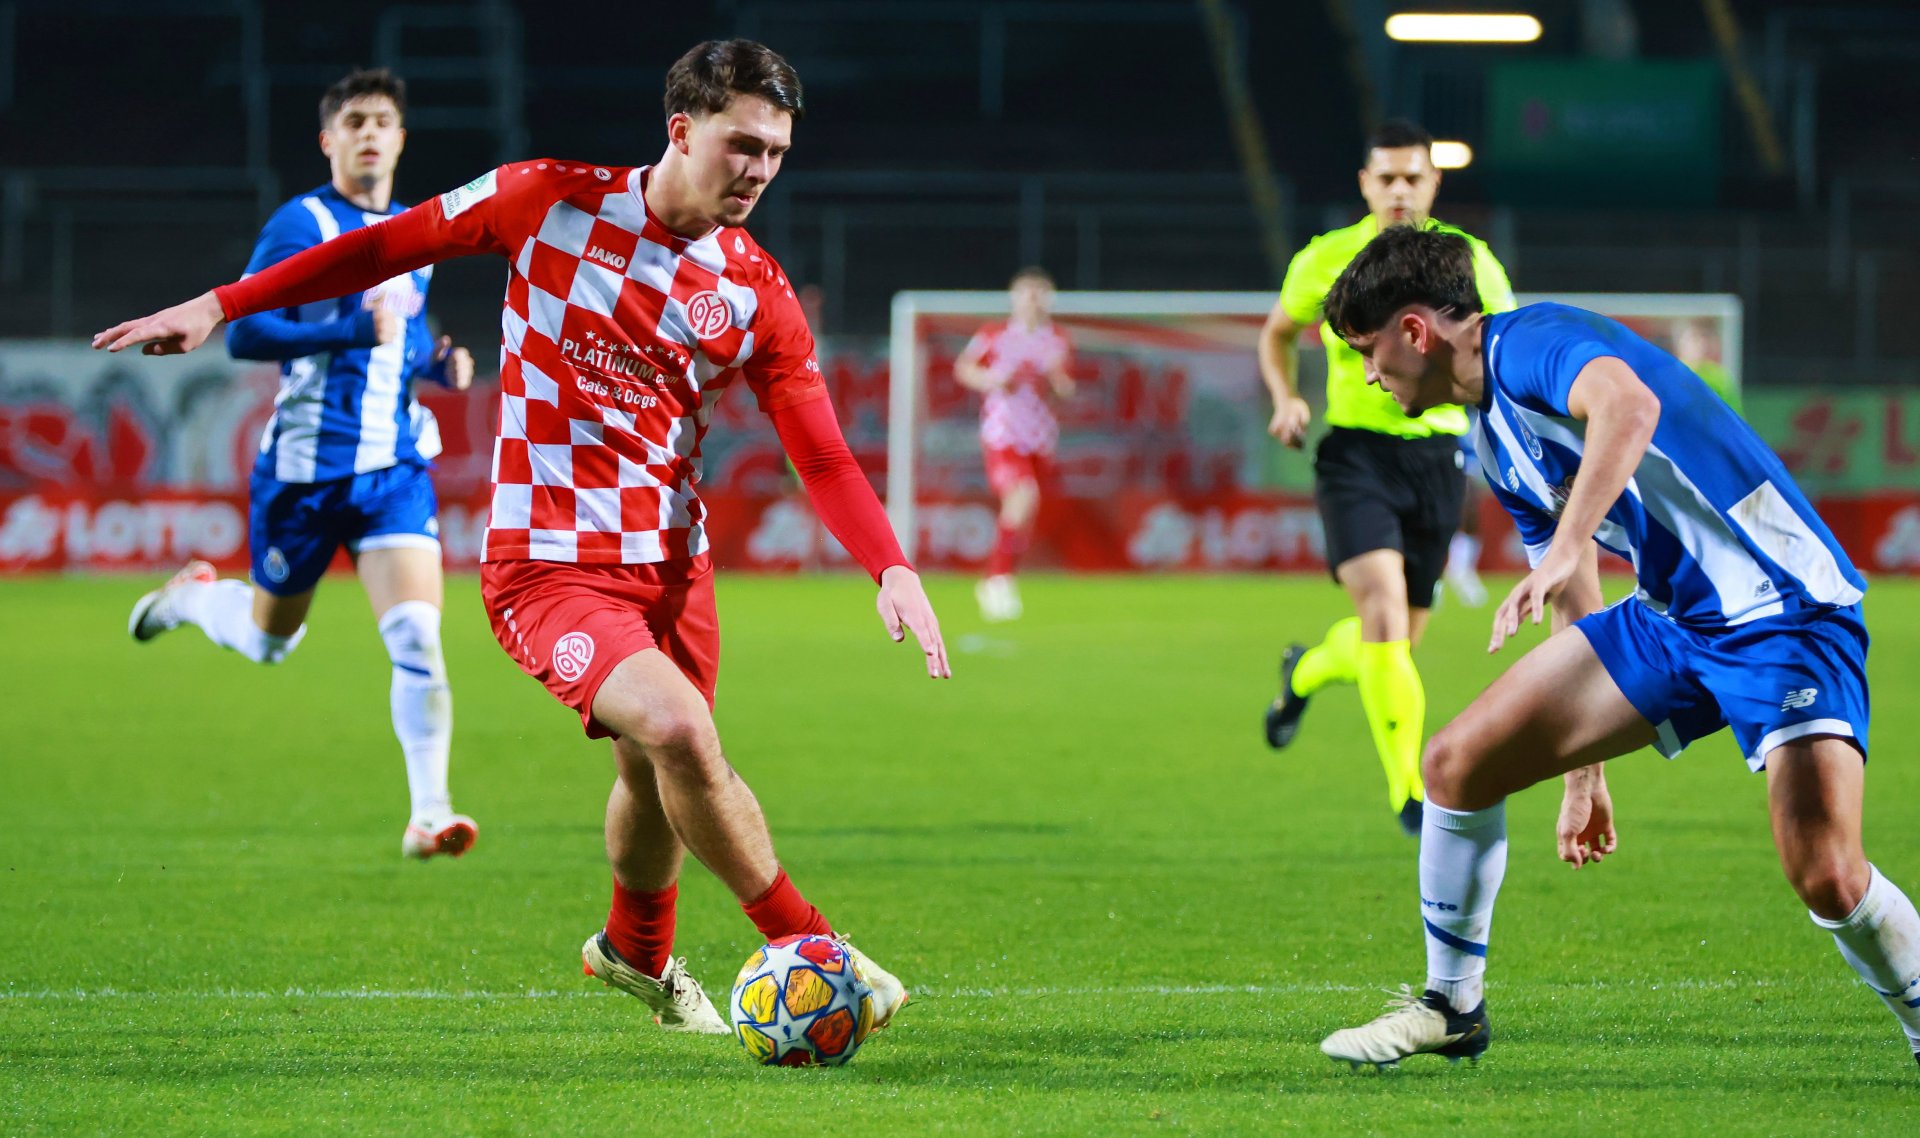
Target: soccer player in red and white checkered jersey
[634, 301]
[1018, 367]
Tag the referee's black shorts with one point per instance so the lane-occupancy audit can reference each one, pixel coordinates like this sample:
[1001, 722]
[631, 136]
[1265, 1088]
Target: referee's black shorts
[1380, 491]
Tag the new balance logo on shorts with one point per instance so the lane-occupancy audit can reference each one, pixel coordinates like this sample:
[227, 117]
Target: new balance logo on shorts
[1801, 698]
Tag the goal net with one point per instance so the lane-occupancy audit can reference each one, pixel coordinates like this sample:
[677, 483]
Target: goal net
[1164, 462]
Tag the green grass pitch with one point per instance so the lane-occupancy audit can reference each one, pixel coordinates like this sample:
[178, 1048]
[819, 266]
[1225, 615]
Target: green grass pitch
[1118, 911]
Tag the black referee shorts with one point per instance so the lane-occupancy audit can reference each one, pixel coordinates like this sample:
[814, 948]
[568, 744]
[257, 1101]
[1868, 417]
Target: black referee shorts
[1380, 491]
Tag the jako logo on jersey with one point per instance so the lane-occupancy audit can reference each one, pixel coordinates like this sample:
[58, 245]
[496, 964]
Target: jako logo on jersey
[602, 173]
[739, 245]
[275, 566]
[596, 253]
[1513, 480]
[1796, 699]
[571, 655]
[708, 314]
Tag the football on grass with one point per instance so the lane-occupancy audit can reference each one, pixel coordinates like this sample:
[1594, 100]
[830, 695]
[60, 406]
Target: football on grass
[800, 1001]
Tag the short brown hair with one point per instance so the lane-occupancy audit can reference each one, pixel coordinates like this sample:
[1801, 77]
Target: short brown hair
[705, 80]
[1404, 265]
[358, 84]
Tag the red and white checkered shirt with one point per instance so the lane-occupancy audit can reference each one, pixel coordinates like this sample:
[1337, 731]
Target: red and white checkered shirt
[1016, 417]
[617, 337]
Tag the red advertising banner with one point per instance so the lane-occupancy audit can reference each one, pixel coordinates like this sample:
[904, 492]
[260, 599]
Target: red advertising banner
[112, 463]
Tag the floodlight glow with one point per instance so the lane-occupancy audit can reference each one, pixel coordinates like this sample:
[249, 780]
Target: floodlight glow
[1451, 155]
[1463, 27]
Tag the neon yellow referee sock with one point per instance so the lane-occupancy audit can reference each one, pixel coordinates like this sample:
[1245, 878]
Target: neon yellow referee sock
[1332, 661]
[1396, 707]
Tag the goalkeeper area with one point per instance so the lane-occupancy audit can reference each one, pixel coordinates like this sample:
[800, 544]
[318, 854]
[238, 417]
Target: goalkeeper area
[1164, 462]
[1118, 911]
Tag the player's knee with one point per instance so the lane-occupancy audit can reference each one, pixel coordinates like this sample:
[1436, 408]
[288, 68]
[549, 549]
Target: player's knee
[680, 741]
[1831, 887]
[411, 632]
[1451, 773]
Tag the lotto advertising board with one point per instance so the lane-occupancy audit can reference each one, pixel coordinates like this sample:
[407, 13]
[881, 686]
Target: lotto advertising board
[138, 464]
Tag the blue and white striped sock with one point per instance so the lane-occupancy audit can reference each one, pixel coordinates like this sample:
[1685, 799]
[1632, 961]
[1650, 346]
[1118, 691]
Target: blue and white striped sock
[1463, 856]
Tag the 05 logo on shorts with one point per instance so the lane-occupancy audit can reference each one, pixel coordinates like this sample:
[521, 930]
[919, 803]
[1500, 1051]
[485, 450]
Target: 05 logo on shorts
[571, 655]
[708, 314]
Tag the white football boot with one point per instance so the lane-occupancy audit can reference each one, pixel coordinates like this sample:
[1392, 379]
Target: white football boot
[1413, 1025]
[451, 834]
[999, 599]
[153, 614]
[677, 1000]
[889, 994]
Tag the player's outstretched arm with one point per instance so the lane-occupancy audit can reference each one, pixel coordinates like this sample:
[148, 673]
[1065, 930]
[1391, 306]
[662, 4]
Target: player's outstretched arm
[168, 332]
[846, 503]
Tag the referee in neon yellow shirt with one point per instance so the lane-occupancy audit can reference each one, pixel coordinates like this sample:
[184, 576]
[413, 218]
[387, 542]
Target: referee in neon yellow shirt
[1389, 487]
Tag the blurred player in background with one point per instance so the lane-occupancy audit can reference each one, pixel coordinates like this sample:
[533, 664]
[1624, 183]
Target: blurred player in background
[633, 302]
[344, 460]
[1463, 549]
[1019, 367]
[1388, 486]
[1747, 614]
[1698, 346]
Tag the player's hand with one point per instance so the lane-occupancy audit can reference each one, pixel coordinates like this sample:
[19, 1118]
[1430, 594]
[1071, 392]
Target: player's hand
[1289, 422]
[1533, 594]
[168, 332]
[904, 608]
[454, 363]
[1585, 830]
[388, 326]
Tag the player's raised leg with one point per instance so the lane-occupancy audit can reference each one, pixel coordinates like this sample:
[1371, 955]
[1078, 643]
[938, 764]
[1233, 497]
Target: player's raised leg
[259, 625]
[665, 733]
[1554, 711]
[401, 574]
[1814, 791]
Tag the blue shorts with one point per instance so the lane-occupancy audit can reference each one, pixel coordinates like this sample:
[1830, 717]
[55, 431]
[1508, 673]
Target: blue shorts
[1772, 680]
[293, 528]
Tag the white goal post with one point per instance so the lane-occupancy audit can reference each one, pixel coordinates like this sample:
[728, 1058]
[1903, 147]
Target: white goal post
[907, 355]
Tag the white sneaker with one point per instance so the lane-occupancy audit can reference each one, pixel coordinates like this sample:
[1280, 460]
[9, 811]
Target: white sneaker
[677, 1000]
[1413, 1025]
[889, 994]
[452, 835]
[1465, 582]
[153, 614]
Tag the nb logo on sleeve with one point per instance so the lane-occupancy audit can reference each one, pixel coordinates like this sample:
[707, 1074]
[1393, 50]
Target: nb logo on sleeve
[1804, 697]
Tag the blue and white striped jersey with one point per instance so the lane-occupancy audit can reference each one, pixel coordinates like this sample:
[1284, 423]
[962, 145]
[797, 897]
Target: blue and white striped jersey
[346, 404]
[1715, 527]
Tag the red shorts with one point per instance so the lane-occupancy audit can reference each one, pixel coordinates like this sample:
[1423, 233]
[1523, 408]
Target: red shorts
[1007, 468]
[569, 626]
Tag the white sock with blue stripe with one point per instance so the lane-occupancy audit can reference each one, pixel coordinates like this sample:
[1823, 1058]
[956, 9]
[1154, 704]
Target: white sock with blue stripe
[422, 703]
[1881, 939]
[224, 611]
[1463, 856]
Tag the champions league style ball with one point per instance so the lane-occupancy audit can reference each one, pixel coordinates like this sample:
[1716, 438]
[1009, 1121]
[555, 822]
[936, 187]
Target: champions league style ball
[800, 1001]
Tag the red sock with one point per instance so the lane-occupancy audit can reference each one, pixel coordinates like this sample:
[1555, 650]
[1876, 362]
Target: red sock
[640, 926]
[781, 911]
[1008, 545]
